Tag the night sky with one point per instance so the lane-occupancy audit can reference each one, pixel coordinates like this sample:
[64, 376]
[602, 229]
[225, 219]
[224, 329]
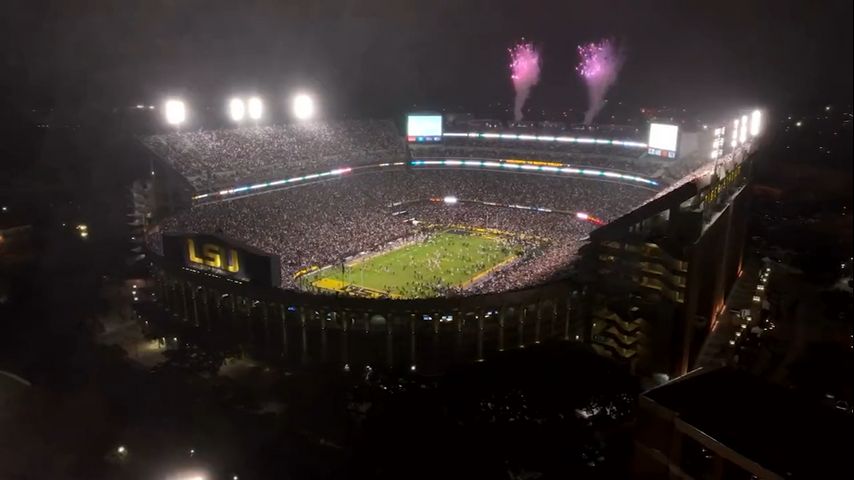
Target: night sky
[383, 56]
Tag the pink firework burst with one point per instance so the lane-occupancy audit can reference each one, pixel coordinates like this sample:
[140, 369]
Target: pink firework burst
[598, 59]
[524, 71]
[599, 65]
[524, 64]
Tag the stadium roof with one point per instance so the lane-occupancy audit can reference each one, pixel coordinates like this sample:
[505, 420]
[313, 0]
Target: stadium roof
[766, 423]
[619, 226]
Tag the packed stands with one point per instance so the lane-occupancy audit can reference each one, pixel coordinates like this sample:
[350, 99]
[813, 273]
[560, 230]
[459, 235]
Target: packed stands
[212, 159]
[322, 223]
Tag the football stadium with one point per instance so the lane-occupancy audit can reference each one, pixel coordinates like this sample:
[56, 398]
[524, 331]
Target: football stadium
[464, 219]
[477, 227]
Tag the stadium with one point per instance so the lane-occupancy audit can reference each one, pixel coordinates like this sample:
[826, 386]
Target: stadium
[332, 226]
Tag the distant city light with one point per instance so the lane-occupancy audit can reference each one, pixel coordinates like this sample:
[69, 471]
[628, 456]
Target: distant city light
[256, 108]
[121, 450]
[450, 200]
[798, 123]
[175, 112]
[236, 109]
[755, 123]
[194, 475]
[303, 107]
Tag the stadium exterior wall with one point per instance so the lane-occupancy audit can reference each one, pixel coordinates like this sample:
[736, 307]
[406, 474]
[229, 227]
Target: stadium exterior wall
[300, 329]
[657, 278]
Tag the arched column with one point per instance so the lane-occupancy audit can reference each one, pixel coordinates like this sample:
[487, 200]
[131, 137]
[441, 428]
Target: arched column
[265, 320]
[233, 311]
[479, 319]
[161, 291]
[324, 320]
[282, 318]
[303, 320]
[184, 304]
[194, 301]
[345, 332]
[412, 339]
[434, 355]
[502, 313]
[250, 317]
[389, 340]
[567, 319]
[206, 311]
[217, 298]
[459, 322]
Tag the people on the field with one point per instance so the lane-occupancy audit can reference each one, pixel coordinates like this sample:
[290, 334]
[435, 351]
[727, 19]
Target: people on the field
[328, 223]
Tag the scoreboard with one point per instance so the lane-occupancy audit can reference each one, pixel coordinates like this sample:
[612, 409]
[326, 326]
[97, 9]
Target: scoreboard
[423, 128]
[663, 140]
[223, 257]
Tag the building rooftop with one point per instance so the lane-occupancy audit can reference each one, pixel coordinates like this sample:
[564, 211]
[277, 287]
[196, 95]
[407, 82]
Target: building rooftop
[766, 423]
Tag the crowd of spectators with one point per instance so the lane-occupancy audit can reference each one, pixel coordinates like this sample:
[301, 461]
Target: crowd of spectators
[225, 158]
[212, 159]
[323, 223]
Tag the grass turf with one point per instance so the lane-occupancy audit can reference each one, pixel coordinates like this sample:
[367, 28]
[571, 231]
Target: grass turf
[426, 268]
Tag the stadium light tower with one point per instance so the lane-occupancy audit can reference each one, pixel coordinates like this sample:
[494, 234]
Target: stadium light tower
[256, 108]
[755, 123]
[734, 142]
[303, 106]
[742, 134]
[236, 109]
[175, 112]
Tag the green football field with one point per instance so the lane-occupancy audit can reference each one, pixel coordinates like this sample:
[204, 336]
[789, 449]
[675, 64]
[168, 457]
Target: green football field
[422, 269]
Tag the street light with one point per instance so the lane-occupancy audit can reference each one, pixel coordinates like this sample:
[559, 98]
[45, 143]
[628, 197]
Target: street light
[188, 475]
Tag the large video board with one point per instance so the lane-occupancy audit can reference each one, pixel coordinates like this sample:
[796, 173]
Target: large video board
[663, 139]
[223, 257]
[424, 128]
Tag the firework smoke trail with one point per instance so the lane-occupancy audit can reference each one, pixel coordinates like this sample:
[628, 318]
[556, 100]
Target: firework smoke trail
[525, 73]
[599, 66]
